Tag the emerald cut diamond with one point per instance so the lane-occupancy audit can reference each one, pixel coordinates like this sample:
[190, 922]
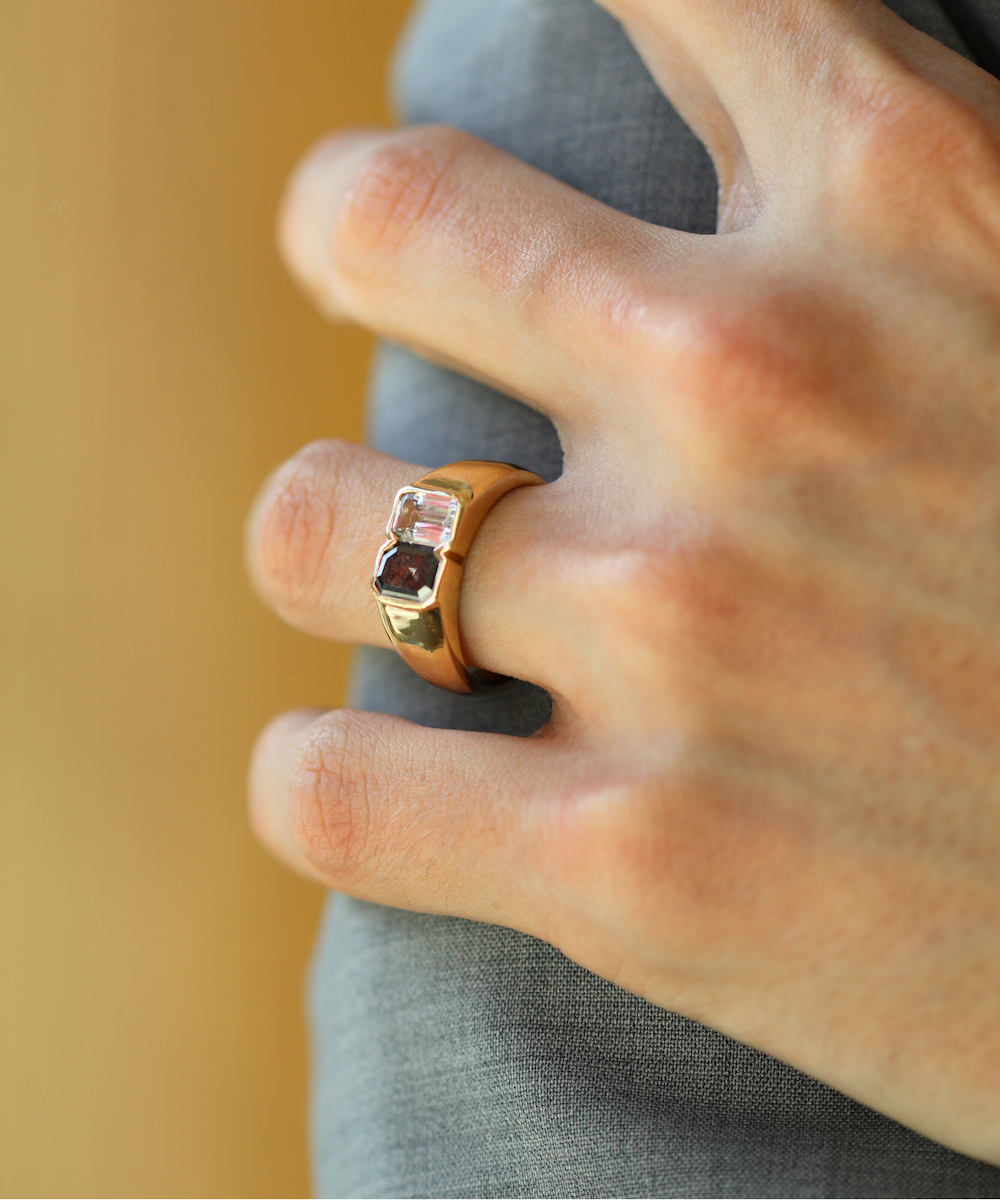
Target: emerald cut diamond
[424, 518]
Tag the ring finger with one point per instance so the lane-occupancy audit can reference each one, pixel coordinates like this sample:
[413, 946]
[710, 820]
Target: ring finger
[317, 524]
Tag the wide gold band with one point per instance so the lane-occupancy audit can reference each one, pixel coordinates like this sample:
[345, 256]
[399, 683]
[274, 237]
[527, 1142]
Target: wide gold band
[418, 571]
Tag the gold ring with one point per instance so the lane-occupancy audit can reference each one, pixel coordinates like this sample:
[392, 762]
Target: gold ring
[418, 571]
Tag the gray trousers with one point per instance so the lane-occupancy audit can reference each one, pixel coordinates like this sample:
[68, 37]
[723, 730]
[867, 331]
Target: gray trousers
[458, 1059]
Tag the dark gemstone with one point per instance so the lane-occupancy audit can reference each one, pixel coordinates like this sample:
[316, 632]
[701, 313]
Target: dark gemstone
[406, 570]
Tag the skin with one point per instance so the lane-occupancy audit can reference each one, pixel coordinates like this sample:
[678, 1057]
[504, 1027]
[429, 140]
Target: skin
[764, 592]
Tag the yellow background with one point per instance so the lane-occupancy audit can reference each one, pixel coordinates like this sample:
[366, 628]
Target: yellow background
[154, 365]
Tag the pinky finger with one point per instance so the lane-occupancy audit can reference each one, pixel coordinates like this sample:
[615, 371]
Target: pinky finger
[435, 820]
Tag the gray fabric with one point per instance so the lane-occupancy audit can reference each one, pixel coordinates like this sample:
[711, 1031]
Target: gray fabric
[455, 1059]
[977, 23]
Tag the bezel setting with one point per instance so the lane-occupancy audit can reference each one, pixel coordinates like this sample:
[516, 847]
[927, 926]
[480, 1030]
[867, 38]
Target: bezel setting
[421, 530]
[418, 570]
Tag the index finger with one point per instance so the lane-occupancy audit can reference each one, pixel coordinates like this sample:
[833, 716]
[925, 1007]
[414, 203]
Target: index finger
[768, 85]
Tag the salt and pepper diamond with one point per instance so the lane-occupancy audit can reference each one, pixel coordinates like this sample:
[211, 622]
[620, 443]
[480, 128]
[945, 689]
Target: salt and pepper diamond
[422, 522]
[407, 572]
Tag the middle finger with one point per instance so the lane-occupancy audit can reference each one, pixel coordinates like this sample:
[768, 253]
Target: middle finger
[437, 240]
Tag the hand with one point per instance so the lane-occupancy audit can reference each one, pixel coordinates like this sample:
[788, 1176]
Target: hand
[764, 594]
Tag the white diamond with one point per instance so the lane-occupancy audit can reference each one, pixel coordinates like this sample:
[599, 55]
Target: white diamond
[425, 518]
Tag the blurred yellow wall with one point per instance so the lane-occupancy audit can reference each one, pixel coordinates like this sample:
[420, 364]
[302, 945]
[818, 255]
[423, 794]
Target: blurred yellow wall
[154, 365]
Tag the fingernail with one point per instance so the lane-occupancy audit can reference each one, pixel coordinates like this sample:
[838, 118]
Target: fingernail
[309, 208]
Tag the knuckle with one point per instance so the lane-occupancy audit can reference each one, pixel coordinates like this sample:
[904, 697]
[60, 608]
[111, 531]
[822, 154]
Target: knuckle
[294, 528]
[686, 613]
[702, 592]
[327, 808]
[680, 844]
[409, 185]
[916, 158]
[760, 386]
